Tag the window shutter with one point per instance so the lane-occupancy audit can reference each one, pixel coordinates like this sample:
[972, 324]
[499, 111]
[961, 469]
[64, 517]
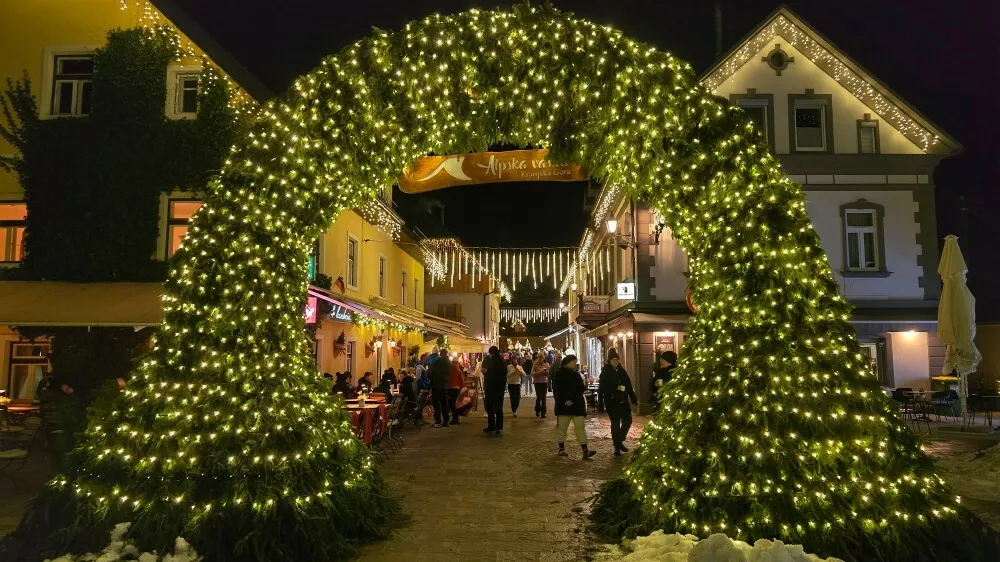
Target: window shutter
[458, 312]
[867, 137]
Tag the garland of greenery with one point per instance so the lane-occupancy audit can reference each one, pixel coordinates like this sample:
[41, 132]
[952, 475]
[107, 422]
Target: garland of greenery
[772, 427]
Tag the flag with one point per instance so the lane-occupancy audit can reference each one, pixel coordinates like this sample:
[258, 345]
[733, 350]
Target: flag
[339, 283]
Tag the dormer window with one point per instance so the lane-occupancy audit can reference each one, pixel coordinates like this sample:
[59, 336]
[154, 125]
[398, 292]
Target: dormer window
[868, 141]
[759, 108]
[810, 122]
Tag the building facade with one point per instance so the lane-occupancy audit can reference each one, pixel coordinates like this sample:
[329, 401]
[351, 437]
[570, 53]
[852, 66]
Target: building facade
[865, 160]
[379, 267]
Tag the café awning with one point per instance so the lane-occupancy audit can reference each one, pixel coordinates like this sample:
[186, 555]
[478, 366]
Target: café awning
[456, 344]
[57, 303]
[383, 309]
[559, 333]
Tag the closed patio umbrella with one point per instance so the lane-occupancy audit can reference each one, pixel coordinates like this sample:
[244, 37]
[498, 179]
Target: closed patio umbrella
[957, 318]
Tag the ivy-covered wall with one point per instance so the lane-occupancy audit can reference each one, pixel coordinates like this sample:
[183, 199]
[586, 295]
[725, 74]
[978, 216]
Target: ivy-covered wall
[93, 184]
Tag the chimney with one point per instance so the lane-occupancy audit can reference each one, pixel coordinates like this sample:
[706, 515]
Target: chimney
[718, 30]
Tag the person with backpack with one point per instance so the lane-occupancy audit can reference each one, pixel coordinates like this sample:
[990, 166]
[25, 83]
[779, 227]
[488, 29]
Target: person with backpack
[568, 388]
[616, 392]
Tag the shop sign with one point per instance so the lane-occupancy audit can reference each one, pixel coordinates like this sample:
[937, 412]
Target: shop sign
[340, 313]
[310, 313]
[626, 291]
[664, 341]
[595, 304]
[436, 172]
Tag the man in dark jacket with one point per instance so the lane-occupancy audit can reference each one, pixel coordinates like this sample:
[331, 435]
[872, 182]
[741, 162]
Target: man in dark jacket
[494, 383]
[568, 388]
[662, 374]
[440, 373]
[616, 392]
[343, 385]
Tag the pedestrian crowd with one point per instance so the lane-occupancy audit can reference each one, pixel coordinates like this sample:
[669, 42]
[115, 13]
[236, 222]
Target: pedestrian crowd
[446, 383]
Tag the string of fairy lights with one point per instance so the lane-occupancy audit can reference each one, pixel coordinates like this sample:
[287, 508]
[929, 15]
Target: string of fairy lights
[870, 93]
[532, 314]
[773, 425]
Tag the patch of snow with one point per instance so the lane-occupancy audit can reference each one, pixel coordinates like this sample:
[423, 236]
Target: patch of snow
[674, 547]
[120, 550]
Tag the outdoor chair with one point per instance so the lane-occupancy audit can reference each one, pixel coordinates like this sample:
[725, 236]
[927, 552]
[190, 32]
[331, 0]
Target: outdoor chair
[415, 408]
[379, 427]
[24, 436]
[394, 422]
[8, 460]
[944, 400]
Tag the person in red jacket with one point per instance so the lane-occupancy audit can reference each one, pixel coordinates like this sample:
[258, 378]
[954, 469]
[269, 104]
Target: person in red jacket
[455, 382]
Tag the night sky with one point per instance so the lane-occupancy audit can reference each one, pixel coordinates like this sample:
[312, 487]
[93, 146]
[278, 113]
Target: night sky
[942, 57]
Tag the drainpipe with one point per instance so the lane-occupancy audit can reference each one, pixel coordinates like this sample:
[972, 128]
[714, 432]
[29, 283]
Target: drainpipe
[485, 316]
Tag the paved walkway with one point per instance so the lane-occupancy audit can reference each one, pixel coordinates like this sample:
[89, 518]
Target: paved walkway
[474, 497]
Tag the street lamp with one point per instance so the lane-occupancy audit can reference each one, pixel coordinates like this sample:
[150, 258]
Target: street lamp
[573, 286]
[562, 305]
[612, 226]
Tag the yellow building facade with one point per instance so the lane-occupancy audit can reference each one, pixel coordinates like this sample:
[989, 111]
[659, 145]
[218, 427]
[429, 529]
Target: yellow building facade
[380, 277]
[53, 42]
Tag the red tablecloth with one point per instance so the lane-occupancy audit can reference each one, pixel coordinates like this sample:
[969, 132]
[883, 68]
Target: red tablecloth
[363, 419]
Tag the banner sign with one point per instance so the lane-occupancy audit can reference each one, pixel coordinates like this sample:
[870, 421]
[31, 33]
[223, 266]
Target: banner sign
[310, 313]
[595, 304]
[436, 172]
[340, 313]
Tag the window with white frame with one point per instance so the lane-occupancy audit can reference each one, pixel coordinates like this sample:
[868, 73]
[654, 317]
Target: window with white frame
[403, 293]
[186, 93]
[810, 125]
[381, 276]
[416, 293]
[179, 214]
[873, 352]
[72, 84]
[757, 110]
[352, 261]
[350, 357]
[861, 231]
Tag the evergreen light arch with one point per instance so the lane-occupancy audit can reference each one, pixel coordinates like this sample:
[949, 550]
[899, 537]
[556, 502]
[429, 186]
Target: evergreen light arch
[772, 427]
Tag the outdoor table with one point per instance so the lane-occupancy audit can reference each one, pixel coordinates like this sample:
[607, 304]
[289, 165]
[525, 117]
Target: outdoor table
[17, 412]
[363, 419]
[367, 400]
[23, 408]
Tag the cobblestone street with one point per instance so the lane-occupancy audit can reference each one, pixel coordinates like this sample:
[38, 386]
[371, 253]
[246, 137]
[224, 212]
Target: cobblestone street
[476, 497]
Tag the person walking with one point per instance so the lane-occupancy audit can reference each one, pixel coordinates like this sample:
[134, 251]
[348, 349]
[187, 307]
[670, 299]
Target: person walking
[540, 380]
[440, 374]
[526, 380]
[662, 374]
[456, 381]
[554, 365]
[515, 374]
[494, 380]
[616, 392]
[568, 388]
